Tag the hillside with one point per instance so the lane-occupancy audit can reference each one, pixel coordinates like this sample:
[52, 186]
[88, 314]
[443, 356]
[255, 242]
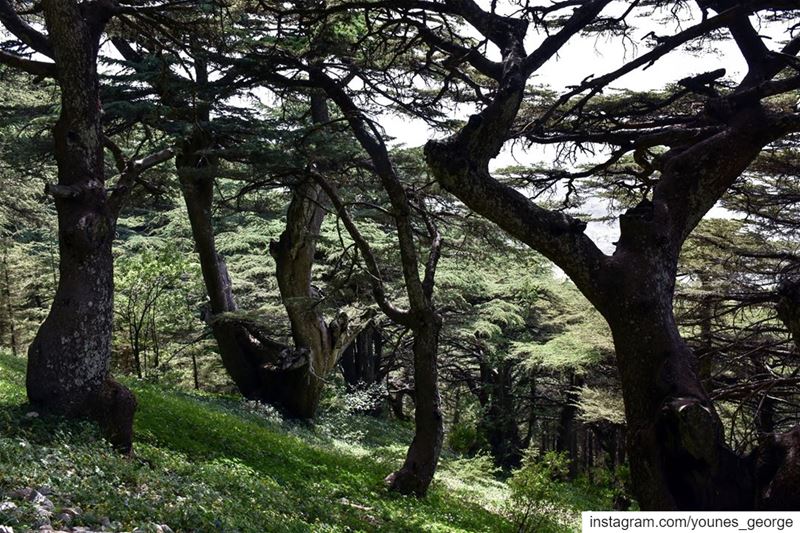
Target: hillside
[206, 463]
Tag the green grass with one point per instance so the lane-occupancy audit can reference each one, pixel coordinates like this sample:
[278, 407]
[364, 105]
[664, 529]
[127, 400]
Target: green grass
[209, 463]
[214, 463]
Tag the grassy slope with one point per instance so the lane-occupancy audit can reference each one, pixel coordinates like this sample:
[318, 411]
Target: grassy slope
[210, 464]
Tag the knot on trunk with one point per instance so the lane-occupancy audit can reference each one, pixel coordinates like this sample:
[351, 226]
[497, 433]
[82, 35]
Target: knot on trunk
[113, 407]
[700, 471]
[692, 429]
[643, 225]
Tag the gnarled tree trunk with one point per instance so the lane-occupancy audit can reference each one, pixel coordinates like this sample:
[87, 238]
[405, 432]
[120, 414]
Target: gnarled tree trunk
[317, 341]
[289, 377]
[68, 359]
[678, 456]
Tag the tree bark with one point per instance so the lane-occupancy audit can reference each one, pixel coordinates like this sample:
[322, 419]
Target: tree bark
[12, 325]
[68, 360]
[788, 306]
[240, 352]
[416, 474]
[361, 365]
[294, 260]
[361, 360]
[678, 455]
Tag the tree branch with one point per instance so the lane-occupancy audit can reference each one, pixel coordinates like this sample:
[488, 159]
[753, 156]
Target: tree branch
[400, 316]
[37, 68]
[24, 31]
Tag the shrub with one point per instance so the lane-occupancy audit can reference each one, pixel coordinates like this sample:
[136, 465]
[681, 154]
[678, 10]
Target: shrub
[534, 491]
[463, 438]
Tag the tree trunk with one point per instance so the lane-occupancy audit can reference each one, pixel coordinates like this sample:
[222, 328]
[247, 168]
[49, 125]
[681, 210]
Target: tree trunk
[416, 474]
[788, 306]
[396, 403]
[360, 365]
[678, 456]
[567, 437]
[12, 326]
[317, 341]
[499, 422]
[361, 360]
[290, 378]
[240, 352]
[68, 359]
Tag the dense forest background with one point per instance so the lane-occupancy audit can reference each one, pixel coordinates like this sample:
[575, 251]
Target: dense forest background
[216, 178]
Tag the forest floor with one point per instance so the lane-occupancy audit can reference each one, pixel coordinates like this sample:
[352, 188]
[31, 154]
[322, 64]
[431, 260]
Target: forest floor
[215, 463]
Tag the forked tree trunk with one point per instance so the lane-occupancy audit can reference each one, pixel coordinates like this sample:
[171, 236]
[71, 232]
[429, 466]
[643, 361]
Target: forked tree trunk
[416, 474]
[288, 377]
[316, 340]
[68, 359]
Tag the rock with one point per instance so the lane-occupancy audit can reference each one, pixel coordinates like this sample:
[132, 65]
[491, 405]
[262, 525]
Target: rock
[166, 529]
[6, 529]
[64, 518]
[7, 506]
[74, 511]
[39, 500]
[45, 490]
[32, 414]
[25, 493]
[42, 521]
[105, 521]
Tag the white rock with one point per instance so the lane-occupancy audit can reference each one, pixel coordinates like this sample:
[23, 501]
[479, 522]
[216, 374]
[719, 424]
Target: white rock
[40, 500]
[7, 506]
